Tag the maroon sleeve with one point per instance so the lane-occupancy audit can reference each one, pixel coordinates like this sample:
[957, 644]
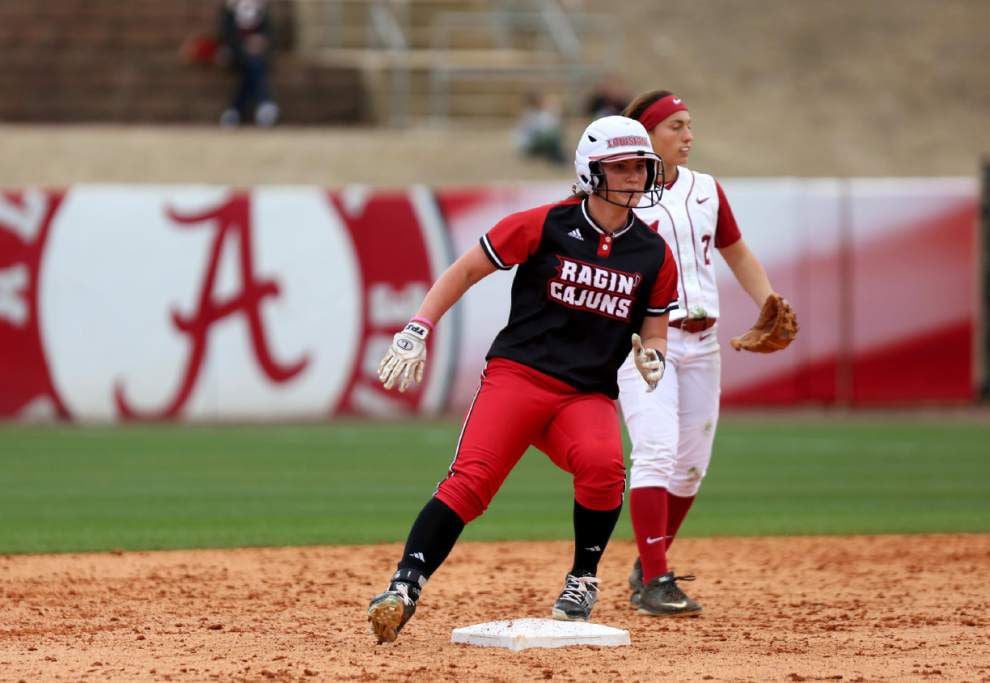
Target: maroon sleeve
[515, 238]
[663, 298]
[726, 230]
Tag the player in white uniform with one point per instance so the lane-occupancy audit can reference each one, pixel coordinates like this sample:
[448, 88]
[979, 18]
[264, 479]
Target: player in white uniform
[672, 428]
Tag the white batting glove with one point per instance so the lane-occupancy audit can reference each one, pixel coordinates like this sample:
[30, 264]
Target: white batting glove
[406, 357]
[649, 362]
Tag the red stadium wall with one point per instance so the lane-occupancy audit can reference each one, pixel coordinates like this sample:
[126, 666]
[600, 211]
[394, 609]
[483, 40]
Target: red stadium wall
[902, 307]
[205, 303]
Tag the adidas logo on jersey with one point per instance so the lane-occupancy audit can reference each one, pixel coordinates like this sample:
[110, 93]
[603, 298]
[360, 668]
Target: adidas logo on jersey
[417, 556]
[576, 234]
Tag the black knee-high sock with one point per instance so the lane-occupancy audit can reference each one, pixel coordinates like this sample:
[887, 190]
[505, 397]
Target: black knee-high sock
[431, 539]
[592, 529]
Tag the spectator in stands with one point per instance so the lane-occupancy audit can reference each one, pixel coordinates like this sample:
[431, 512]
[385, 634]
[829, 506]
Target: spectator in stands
[609, 97]
[539, 133]
[246, 36]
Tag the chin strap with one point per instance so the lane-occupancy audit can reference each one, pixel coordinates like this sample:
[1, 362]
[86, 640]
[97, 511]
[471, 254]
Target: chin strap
[654, 196]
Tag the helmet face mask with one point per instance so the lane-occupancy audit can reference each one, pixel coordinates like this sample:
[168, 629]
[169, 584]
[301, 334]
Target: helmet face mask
[616, 138]
[652, 188]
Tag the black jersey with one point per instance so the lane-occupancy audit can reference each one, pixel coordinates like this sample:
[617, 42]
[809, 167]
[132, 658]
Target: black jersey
[579, 292]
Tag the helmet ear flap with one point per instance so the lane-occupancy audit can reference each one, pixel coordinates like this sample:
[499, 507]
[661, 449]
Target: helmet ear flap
[597, 174]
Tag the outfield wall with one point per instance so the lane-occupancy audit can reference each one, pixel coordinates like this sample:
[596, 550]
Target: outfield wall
[125, 302]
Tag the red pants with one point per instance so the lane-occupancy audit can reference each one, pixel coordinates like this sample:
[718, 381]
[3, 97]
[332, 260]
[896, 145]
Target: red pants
[518, 406]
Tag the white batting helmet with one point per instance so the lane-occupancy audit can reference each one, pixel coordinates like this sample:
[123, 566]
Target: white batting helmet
[614, 138]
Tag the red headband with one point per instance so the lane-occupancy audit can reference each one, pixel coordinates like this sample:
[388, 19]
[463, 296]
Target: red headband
[660, 110]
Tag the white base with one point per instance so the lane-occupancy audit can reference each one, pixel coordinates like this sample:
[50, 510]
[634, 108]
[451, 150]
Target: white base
[519, 634]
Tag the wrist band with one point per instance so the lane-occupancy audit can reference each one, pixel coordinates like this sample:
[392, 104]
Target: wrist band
[424, 321]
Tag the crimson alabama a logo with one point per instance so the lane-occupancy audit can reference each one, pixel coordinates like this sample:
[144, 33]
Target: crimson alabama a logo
[164, 303]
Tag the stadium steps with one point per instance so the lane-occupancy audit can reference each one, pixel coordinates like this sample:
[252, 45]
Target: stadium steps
[463, 60]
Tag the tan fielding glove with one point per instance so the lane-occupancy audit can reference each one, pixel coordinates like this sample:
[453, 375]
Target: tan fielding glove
[774, 330]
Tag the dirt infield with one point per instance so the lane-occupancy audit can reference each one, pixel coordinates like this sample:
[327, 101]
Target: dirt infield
[792, 609]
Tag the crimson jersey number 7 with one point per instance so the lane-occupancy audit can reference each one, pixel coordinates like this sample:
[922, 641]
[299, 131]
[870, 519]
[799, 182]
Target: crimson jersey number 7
[707, 239]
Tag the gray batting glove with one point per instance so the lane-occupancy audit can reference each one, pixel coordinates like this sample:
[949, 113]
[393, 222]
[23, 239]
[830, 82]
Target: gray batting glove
[406, 357]
[649, 362]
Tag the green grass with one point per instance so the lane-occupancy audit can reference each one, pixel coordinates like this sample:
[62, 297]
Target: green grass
[85, 488]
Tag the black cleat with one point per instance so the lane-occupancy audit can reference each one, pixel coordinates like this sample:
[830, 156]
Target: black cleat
[389, 611]
[577, 599]
[662, 597]
[636, 582]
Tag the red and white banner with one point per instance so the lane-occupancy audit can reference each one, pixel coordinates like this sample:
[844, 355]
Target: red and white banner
[208, 303]
[162, 303]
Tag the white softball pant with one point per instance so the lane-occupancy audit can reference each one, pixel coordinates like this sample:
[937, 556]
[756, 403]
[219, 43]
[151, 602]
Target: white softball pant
[672, 428]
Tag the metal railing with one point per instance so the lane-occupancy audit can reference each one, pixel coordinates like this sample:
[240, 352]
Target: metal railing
[561, 33]
[388, 28]
[555, 37]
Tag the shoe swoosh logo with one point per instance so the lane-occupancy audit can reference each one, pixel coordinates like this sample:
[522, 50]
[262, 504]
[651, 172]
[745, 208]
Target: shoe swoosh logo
[676, 605]
[650, 540]
[702, 200]
[704, 336]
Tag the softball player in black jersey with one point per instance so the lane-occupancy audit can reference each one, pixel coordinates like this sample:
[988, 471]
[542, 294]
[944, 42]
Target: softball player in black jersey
[592, 281]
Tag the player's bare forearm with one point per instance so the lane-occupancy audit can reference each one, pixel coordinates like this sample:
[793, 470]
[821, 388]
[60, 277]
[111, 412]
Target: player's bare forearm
[748, 270]
[471, 267]
[654, 333]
